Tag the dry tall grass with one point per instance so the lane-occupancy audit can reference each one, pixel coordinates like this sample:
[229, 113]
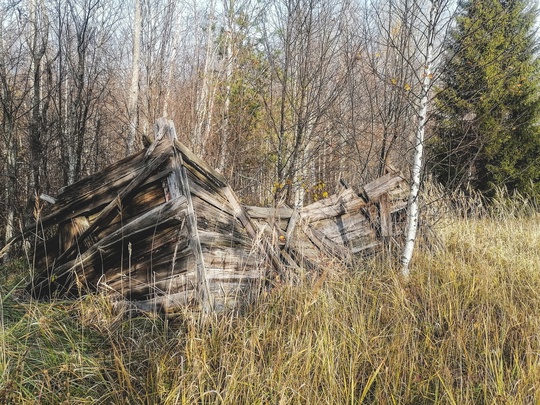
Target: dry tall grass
[465, 329]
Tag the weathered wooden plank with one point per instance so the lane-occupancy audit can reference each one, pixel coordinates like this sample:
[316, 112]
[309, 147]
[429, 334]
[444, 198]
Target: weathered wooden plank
[382, 185]
[91, 198]
[194, 162]
[236, 259]
[385, 215]
[240, 213]
[325, 244]
[269, 213]
[174, 210]
[210, 218]
[210, 199]
[91, 204]
[367, 249]
[140, 252]
[331, 207]
[144, 285]
[199, 180]
[178, 179]
[148, 196]
[218, 239]
[76, 207]
[170, 302]
[107, 214]
[291, 227]
[335, 227]
[103, 178]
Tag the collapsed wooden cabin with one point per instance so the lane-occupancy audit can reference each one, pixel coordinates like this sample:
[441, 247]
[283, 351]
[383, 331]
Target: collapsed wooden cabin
[164, 230]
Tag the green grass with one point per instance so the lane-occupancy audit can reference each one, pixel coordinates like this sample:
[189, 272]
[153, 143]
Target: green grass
[465, 329]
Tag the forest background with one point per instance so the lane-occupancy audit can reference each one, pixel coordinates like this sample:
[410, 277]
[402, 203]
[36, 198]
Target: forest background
[285, 98]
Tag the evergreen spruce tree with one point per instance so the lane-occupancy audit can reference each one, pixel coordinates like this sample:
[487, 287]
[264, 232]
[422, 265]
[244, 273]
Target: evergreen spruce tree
[488, 126]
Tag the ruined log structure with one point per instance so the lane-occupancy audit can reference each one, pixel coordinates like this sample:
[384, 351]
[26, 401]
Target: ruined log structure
[163, 229]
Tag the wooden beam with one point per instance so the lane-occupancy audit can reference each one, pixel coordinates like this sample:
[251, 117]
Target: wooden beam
[174, 210]
[108, 213]
[178, 185]
[385, 218]
[246, 222]
[384, 184]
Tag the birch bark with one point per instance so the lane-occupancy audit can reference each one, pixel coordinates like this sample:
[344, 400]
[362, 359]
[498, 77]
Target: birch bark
[413, 211]
[134, 89]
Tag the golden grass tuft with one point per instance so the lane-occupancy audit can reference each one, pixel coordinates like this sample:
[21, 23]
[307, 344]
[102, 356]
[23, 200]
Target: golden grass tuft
[463, 330]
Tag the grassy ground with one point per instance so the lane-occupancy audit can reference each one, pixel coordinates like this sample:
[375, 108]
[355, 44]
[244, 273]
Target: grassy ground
[463, 330]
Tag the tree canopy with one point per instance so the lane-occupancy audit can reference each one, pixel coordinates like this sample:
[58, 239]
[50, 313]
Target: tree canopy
[487, 133]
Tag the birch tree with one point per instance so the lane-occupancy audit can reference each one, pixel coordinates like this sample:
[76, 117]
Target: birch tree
[431, 25]
[134, 88]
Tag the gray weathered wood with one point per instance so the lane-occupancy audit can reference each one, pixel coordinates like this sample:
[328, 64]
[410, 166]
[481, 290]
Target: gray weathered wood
[174, 210]
[334, 206]
[385, 216]
[264, 212]
[178, 184]
[240, 213]
[107, 214]
[382, 185]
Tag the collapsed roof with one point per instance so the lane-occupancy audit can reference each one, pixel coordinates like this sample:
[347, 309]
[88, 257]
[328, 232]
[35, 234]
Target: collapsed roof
[165, 230]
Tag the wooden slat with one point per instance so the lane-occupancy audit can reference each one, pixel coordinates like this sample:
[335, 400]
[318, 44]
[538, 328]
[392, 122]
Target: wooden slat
[336, 227]
[174, 210]
[103, 178]
[325, 244]
[192, 161]
[90, 200]
[268, 213]
[210, 198]
[331, 207]
[385, 216]
[382, 185]
[108, 213]
[240, 213]
[291, 227]
[179, 185]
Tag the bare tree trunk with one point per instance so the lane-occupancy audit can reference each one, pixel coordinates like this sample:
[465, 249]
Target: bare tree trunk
[7, 134]
[10, 169]
[134, 89]
[413, 211]
[205, 98]
[39, 44]
[229, 61]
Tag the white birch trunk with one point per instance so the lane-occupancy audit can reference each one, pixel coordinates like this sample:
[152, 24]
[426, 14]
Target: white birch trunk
[413, 212]
[134, 88]
[205, 105]
[227, 106]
